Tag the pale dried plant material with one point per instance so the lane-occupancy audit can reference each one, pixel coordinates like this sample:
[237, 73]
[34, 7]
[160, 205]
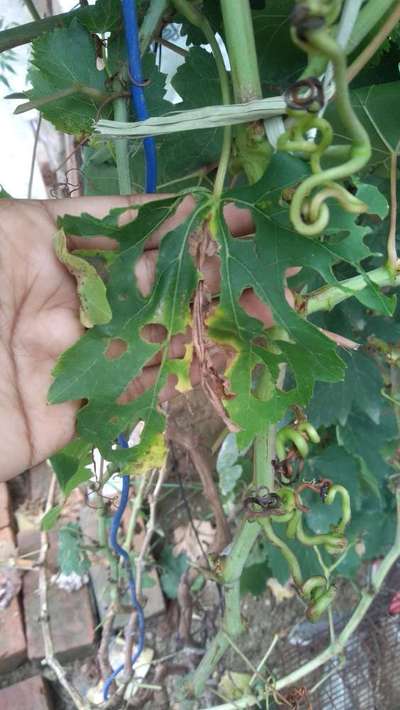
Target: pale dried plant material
[280, 592]
[207, 117]
[187, 542]
[10, 577]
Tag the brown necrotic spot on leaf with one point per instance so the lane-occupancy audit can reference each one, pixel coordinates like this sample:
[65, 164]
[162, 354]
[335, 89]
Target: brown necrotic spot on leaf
[116, 348]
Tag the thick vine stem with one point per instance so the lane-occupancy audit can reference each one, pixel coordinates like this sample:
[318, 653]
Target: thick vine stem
[327, 297]
[198, 20]
[254, 151]
[337, 647]
[232, 625]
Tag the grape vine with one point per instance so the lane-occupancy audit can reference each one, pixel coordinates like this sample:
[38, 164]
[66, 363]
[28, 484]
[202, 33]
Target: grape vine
[314, 202]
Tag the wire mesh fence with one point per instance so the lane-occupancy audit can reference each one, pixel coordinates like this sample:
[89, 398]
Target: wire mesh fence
[368, 675]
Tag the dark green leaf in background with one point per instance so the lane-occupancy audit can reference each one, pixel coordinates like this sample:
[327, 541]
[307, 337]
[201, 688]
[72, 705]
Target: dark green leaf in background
[72, 558]
[172, 571]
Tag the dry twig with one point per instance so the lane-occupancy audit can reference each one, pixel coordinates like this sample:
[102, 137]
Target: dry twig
[49, 659]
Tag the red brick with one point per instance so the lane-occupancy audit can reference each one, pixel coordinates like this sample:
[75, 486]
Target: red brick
[71, 617]
[13, 644]
[28, 694]
[5, 506]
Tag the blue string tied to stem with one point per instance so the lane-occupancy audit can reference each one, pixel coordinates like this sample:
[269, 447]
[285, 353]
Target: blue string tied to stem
[139, 103]
[114, 544]
[136, 88]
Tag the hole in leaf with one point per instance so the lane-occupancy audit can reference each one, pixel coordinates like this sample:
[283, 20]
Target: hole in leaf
[144, 271]
[116, 348]
[154, 333]
[123, 296]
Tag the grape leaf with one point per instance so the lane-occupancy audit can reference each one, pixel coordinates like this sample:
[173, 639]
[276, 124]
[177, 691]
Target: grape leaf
[71, 465]
[371, 105]
[86, 371]
[172, 571]
[332, 403]
[95, 309]
[72, 558]
[81, 368]
[280, 60]
[64, 60]
[105, 16]
[365, 440]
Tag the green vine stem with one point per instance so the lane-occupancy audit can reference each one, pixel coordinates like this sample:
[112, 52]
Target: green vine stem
[254, 151]
[120, 108]
[200, 21]
[336, 648]
[327, 297]
[232, 625]
[151, 22]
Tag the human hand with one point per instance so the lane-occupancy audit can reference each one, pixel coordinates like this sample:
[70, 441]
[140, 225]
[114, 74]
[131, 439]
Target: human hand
[39, 319]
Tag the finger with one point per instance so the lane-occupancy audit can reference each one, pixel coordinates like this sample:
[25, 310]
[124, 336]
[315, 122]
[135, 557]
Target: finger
[239, 220]
[141, 384]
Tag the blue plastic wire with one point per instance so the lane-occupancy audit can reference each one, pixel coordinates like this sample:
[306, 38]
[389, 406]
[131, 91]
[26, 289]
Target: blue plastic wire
[116, 521]
[139, 103]
[136, 89]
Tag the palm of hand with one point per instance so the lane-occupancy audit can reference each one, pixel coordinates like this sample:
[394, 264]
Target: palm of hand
[38, 320]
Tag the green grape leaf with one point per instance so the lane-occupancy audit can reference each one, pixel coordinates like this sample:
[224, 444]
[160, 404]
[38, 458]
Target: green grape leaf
[72, 558]
[332, 403]
[365, 440]
[63, 67]
[95, 309]
[254, 578]
[105, 16]
[87, 370]
[371, 105]
[172, 571]
[81, 368]
[377, 531]
[71, 465]
[50, 518]
[280, 60]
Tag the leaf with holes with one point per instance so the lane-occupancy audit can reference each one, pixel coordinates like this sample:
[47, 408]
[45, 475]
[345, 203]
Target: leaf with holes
[65, 80]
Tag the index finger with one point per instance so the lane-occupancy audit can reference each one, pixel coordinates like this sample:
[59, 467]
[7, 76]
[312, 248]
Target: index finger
[239, 220]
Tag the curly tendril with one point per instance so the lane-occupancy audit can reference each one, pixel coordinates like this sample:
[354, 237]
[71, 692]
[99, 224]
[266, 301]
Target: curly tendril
[285, 507]
[309, 212]
[320, 595]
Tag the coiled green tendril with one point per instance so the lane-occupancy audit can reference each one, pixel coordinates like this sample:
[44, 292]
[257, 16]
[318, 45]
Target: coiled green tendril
[288, 509]
[309, 212]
